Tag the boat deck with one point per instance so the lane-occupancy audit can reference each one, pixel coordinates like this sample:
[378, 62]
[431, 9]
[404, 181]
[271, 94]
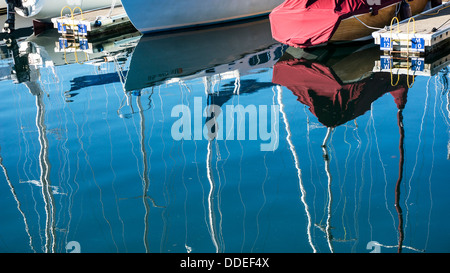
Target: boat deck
[422, 33]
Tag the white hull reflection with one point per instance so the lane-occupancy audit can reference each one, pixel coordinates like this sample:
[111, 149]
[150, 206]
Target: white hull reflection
[195, 54]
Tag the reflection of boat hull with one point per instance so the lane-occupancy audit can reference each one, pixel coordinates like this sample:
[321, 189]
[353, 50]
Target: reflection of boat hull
[158, 58]
[334, 107]
[351, 29]
[332, 94]
[46, 9]
[150, 16]
[303, 23]
[344, 60]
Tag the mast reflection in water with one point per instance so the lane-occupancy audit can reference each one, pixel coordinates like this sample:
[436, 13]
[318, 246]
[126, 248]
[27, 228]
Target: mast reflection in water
[88, 158]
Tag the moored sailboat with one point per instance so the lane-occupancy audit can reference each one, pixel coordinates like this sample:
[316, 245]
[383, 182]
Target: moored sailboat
[153, 16]
[307, 23]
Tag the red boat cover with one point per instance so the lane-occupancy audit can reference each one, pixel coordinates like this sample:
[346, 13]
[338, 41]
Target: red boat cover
[331, 101]
[305, 23]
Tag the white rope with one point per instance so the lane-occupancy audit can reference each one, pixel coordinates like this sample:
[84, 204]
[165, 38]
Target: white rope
[376, 28]
[113, 4]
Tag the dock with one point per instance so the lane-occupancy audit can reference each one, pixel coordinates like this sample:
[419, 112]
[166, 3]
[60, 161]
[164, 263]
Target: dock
[428, 65]
[421, 34]
[94, 24]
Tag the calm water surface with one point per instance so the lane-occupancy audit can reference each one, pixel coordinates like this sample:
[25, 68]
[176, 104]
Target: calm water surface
[92, 160]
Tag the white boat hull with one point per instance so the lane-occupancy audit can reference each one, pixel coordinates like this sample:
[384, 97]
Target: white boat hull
[46, 9]
[156, 15]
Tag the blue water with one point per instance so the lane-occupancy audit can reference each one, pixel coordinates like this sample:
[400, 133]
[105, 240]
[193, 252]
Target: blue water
[86, 163]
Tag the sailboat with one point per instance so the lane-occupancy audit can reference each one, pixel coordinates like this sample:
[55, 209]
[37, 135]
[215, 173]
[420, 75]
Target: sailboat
[153, 16]
[308, 23]
[198, 53]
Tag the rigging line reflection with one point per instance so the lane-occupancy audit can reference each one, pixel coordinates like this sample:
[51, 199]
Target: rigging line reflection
[94, 178]
[350, 155]
[80, 134]
[213, 108]
[212, 114]
[211, 215]
[77, 167]
[363, 166]
[47, 194]
[28, 162]
[264, 200]
[244, 216]
[418, 148]
[396, 246]
[311, 160]
[266, 177]
[326, 158]
[21, 125]
[369, 144]
[199, 180]
[62, 178]
[119, 69]
[297, 164]
[219, 196]
[401, 226]
[432, 161]
[237, 84]
[112, 168]
[446, 96]
[145, 171]
[383, 168]
[448, 104]
[399, 180]
[419, 139]
[19, 205]
[145, 178]
[345, 175]
[356, 200]
[166, 193]
[182, 85]
[239, 126]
